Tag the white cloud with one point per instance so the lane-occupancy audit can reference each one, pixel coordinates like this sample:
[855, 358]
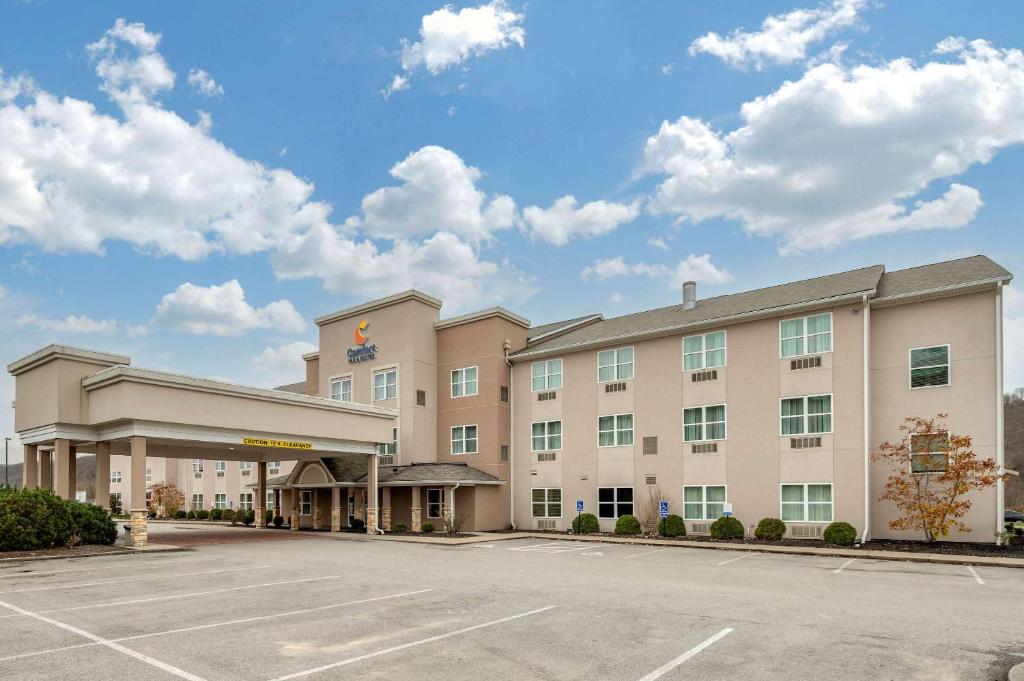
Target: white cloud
[694, 267]
[438, 193]
[70, 324]
[223, 311]
[666, 70]
[658, 242]
[127, 62]
[783, 39]
[615, 298]
[700, 269]
[565, 219]
[204, 84]
[449, 38]
[844, 154]
[283, 364]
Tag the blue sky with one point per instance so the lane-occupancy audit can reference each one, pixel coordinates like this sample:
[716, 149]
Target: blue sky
[191, 185]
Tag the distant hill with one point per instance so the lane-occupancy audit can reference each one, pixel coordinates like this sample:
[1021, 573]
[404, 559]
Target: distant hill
[85, 477]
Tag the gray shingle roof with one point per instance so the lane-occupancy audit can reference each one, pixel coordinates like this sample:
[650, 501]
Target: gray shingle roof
[346, 468]
[554, 326]
[938, 275]
[434, 472]
[299, 388]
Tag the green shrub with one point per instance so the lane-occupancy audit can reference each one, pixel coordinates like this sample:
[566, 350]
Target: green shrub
[33, 519]
[115, 505]
[249, 517]
[191, 515]
[627, 524]
[180, 514]
[585, 523]
[203, 514]
[269, 516]
[840, 533]
[727, 527]
[427, 527]
[92, 524]
[771, 529]
[216, 514]
[672, 526]
[278, 521]
[400, 527]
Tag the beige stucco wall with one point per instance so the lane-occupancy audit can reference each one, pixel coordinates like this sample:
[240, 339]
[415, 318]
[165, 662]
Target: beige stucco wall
[52, 393]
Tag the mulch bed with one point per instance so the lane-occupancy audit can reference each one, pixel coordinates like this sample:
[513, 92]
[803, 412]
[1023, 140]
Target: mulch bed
[63, 552]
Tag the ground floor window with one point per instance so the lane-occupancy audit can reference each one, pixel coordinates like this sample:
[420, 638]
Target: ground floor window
[115, 476]
[220, 500]
[810, 503]
[547, 502]
[435, 502]
[703, 502]
[306, 502]
[270, 498]
[351, 508]
[245, 501]
[929, 452]
[197, 502]
[115, 496]
[614, 502]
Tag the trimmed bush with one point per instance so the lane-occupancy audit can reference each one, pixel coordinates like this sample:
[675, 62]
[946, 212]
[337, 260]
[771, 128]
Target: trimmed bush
[115, 504]
[839, 533]
[727, 527]
[92, 524]
[671, 526]
[269, 517]
[191, 515]
[627, 524]
[203, 514]
[249, 517]
[400, 527]
[216, 514]
[278, 521]
[771, 529]
[427, 527]
[585, 523]
[33, 519]
[180, 514]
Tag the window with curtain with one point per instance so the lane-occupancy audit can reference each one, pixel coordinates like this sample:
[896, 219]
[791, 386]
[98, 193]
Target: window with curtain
[806, 415]
[385, 385]
[546, 375]
[547, 435]
[704, 423]
[197, 502]
[389, 448]
[245, 501]
[614, 502]
[615, 365]
[341, 389]
[805, 335]
[547, 502]
[615, 430]
[807, 503]
[464, 383]
[115, 476]
[220, 500]
[705, 351]
[703, 502]
[197, 465]
[464, 440]
[929, 367]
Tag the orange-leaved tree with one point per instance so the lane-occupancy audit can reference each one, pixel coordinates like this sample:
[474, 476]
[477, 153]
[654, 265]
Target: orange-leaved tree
[165, 499]
[933, 470]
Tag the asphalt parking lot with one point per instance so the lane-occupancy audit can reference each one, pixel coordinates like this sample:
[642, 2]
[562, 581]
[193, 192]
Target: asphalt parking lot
[521, 609]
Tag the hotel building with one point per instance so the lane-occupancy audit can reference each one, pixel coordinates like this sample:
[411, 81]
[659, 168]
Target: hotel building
[767, 403]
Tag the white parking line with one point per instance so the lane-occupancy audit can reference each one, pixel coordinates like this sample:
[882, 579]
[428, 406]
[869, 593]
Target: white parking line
[119, 566]
[557, 547]
[49, 651]
[134, 579]
[843, 566]
[977, 577]
[669, 666]
[646, 553]
[405, 646]
[733, 560]
[99, 640]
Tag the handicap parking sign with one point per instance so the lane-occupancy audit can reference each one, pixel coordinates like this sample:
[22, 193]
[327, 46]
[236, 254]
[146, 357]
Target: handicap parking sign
[664, 509]
[579, 505]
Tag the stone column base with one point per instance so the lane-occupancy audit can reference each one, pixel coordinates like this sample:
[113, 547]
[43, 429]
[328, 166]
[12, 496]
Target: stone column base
[371, 521]
[417, 519]
[261, 516]
[336, 519]
[294, 521]
[139, 533]
[316, 517]
[447, 519]
[358, 514]
[385, 518]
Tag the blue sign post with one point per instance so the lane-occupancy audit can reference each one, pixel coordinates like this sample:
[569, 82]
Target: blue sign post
[579, 505]
[579, 521]
[663, 511]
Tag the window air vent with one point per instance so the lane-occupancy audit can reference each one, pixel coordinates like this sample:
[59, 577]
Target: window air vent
[220, 474]
[246, 472]
[804, 442]
[421, 398]
[533, 472]
[546, 456]
[805, 363]
[198, 476]
[709, 375]
[651, 479]
[504, 453]
[386, 460]
[805, 531]
[503, 393]
[274, 471]
[550, 395]
[704, 448]
[700, 528]
[651, 445]
[615, 387]
[545, 524]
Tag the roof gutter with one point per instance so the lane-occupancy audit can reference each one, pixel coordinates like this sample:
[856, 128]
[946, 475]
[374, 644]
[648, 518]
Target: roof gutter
[866, 533]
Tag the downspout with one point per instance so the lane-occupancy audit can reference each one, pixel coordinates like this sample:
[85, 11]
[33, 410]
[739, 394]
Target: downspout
[866, 534]
[511, 438]
[1000, 462]
[376, 496]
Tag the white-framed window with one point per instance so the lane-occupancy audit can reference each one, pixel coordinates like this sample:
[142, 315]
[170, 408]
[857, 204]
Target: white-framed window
[197, 465]
[704, 423]
[464, 440]
[547, 435]
[385, 384]
[807, 502]
[435, 502]
[197, 501]
[115, 476]
[703, 502]
[811, 414]
[341, 388]
[305, 502]
[389, 448]
[245, 501]
[929, 452]
[547, 502]
[615, 365]
[270, 498]
[149, 475]
[615, 430]
[614, 502]
[116, 495]
[464, 383]
[805, 335]
[245, 465]
[220, 466]
[706, 351]
[929, 367]
[274, 467]
[220, 500]
[546, 375]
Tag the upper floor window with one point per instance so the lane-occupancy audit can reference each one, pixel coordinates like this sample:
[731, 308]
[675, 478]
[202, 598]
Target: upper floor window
[341, 389]
[929, 452]
[547, 435]
[810, 414]
[615, 365]
[385, 384]
[704, 423]
[704, 352]
[547, 375]
[389, 448]
[245, 465]
[615, 430]
[929, 367]
[806, 335]
[220, 466]
[197, 465]
[115, 476]
[464, 440]
[464, 382]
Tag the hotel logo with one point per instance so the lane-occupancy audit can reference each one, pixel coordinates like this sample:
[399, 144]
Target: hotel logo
[363, 352]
